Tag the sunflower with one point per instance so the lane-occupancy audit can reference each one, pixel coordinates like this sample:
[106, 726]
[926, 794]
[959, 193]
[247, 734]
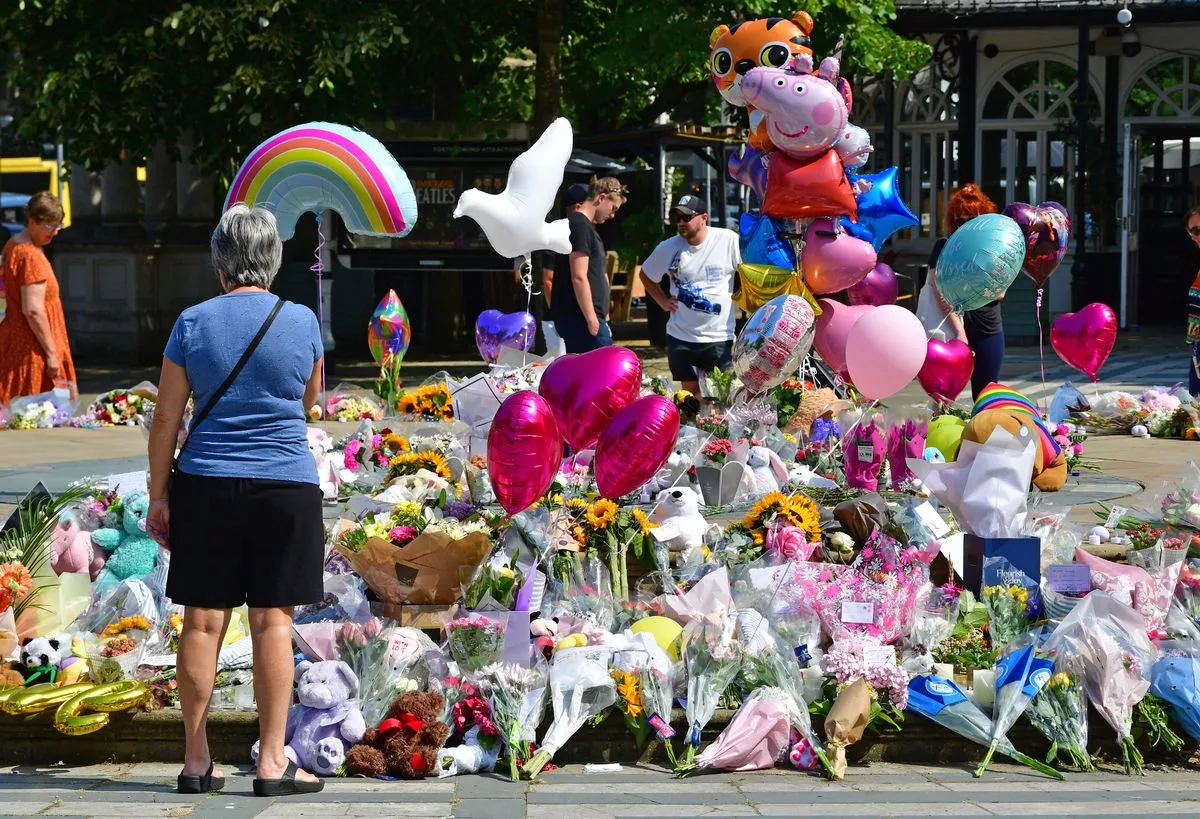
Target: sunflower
[629, 689]
[395, 443]
[408, 463]
[643, 521]
[602, 514]
[579, 535]
[798, 510]
[575, 505]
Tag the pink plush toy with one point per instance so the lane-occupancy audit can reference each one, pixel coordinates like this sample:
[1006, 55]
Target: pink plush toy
[72, 550]
[864, 448]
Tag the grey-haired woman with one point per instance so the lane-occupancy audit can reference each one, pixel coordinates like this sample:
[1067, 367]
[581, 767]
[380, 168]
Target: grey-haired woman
[241, 510]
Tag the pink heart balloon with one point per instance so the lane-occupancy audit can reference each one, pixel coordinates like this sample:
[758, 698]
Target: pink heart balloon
[635, 445]
[833, 259]
[524, 450]
[947, 369]
[880, 287]
[833, 328]
[586, 390]
[1084, 339]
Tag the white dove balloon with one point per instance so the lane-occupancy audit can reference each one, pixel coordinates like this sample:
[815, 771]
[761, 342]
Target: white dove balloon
[514, 220]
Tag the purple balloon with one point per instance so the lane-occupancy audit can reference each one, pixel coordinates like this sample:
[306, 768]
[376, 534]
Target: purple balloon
[880, 287]
[494, 330]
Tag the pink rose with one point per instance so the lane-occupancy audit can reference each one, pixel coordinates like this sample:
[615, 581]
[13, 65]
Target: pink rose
[1077, 449]
[1062, 429]
[789, 542]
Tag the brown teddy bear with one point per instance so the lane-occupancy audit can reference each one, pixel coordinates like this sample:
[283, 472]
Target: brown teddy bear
[999, 406]
[407, 741]
[10, 677]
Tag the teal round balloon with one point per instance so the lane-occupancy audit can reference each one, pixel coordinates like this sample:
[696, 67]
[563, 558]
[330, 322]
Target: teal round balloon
[980, 260]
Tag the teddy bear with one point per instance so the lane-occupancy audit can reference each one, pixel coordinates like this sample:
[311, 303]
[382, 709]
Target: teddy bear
[40, 659]
[681, 527]
[132, 554]
[326, 720]
[999, 406]
[11, 677]
[72, 550]
[767, 468]
[406, 742]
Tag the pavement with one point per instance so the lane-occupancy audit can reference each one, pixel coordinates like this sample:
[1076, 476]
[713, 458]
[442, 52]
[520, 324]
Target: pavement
[146, 790]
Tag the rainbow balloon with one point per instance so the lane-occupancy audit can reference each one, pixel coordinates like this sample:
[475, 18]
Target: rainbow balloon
[322, 165]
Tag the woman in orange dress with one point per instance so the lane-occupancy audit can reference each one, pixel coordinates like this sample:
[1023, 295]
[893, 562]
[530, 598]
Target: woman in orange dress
[34, 351]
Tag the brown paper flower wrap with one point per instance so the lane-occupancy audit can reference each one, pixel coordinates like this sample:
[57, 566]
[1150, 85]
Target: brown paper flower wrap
[846, 721]
[433, 569]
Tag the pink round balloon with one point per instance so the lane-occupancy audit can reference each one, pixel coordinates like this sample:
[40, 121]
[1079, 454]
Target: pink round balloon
[885, 351]
[947, 369]
[635, 445]
[1084, 339]
[833, 328]
[880, 287]
[524, 450]
[833, 259]
[586, 390]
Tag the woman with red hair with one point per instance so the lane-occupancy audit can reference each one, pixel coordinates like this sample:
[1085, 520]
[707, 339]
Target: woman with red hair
[983, 328]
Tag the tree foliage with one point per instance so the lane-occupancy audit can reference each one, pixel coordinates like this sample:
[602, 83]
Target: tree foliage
[113, 79]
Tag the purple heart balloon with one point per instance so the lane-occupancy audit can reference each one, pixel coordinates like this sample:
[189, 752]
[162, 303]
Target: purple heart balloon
[1047, 231]
[877, 289]
[494, 330]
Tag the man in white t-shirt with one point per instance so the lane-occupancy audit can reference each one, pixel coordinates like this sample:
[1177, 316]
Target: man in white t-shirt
[700, 262]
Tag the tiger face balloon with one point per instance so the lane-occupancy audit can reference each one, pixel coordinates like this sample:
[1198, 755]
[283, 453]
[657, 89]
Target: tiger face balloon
[769, 42]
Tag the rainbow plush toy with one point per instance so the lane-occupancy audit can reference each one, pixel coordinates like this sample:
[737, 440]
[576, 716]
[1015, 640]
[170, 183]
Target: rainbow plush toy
[999, 406]
[322, 165]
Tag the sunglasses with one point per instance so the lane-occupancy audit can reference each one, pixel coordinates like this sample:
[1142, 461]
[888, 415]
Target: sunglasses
[51, 228]
[1194, 230]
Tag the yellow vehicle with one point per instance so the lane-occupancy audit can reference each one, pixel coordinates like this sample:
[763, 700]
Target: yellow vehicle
[30, 174]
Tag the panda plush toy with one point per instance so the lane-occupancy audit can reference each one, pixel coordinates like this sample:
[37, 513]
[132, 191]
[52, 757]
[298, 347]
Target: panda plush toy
[40, 659]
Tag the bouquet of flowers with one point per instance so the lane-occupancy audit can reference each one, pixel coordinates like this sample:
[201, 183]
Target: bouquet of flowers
[116, 408]
[361, 648]
[1012, 599]
[1187, 591]
[431, 401]
[712, 659]
[1059, 711]
[349, 408]
[518, 700]
[717, 451]
[1175, 680]
[931, 627]
[474, 641]
[15, 584]
[1109, 640]
[41, 414]
[755, 739]
[1020, 676]
[658, 697]
[580, 688]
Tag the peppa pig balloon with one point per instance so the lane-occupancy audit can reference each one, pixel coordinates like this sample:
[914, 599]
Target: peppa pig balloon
[805, 113]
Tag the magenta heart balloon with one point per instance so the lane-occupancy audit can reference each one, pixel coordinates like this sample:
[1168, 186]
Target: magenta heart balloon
[880, 287]
[1084, 339]
[1047, 231]
[635, 445]
[947, 369]
[494, 330]
[586, 390]
[524, 450]
[833, 259]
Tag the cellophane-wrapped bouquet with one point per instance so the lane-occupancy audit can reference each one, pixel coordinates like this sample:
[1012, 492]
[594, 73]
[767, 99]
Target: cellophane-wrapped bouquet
[712, 659]
[580, 688]
[1012, 598]
[474, 641]
[1059, 712]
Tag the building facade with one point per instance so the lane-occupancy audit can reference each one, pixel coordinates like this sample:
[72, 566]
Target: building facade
[1055, 101]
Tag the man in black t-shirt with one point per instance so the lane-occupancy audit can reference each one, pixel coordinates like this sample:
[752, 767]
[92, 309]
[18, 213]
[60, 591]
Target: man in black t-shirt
[580, 298]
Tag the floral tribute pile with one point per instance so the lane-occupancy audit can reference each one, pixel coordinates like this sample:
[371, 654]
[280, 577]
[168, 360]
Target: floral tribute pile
[788, 563]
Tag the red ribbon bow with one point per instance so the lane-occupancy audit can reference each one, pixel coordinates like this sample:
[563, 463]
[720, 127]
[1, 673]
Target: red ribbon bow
[407, 722]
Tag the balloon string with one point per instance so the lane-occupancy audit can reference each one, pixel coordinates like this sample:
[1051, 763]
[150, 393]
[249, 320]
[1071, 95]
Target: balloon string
[1041, 342]
[318, 267]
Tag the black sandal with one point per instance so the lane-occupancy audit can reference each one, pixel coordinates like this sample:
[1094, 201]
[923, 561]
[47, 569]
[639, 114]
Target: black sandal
[187, 783]
[287, 785]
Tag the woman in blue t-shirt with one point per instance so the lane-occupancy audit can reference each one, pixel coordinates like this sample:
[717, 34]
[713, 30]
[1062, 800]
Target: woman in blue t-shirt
[241, 514]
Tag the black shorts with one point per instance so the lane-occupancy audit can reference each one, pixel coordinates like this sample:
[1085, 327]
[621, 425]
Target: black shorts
[250, 541]
[686, 358]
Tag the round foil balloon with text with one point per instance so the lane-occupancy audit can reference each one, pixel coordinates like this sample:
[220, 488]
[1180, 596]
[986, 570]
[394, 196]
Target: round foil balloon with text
[774, 342]
[980, 260]
[524, 451]
[635, 445]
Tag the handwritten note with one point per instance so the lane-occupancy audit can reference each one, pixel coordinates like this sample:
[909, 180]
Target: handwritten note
[858, 612]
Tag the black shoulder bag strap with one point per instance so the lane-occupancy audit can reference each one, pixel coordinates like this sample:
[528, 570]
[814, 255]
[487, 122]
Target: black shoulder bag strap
[228, 382]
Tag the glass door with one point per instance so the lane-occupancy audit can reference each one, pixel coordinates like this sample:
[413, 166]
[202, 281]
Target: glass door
[1168, 174]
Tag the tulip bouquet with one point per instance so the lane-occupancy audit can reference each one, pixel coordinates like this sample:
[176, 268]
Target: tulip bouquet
[518, 702]
[474, 641]
[361, 648]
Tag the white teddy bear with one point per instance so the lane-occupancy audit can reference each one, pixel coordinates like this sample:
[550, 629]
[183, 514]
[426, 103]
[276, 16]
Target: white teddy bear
[681, 527]
[669, 476]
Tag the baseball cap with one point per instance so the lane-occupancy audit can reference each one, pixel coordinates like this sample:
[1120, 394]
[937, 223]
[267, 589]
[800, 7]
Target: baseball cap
[576, 193]
[689, 205]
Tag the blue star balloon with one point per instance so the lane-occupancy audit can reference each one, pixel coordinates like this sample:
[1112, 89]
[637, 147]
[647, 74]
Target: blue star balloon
[881, 210]
[761, 243]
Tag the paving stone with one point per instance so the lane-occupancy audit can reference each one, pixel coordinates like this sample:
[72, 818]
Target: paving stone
[635, 811]
[490, 808]
[23, 808]
[885, 809]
